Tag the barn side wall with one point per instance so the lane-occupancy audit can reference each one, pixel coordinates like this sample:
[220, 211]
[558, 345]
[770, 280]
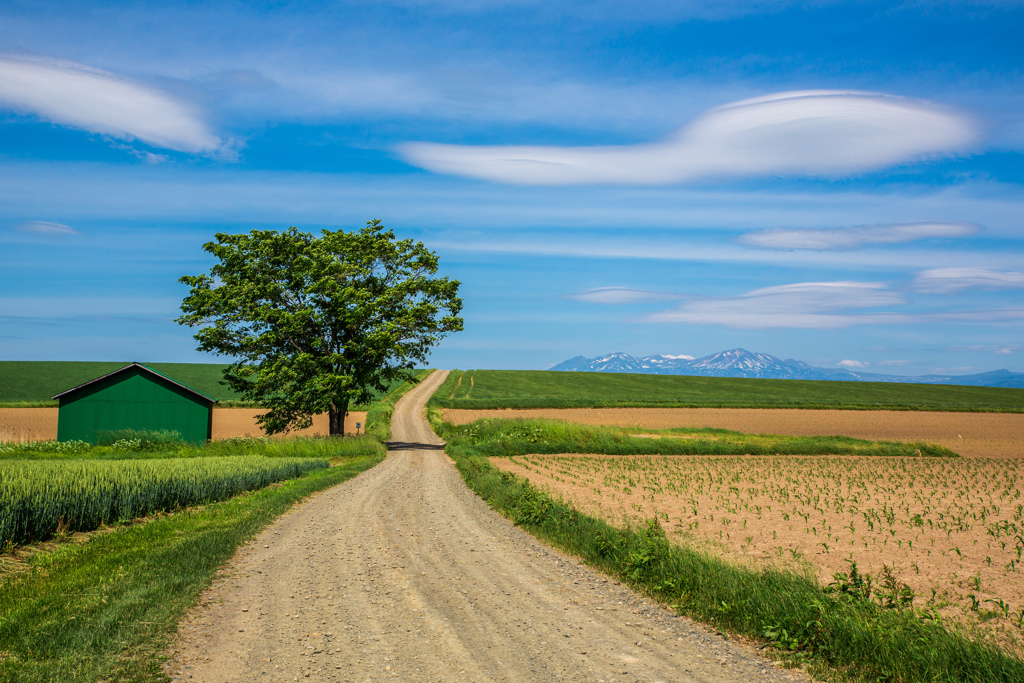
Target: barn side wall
[133, 399]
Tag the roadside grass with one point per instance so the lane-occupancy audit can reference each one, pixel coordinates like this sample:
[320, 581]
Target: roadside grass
[106, 609]
[490, 389]
[30, 384]
[505, 437]
[842, 632]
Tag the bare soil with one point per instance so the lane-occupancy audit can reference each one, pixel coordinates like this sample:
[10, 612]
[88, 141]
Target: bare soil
[948, 528]
[404, 574]
[40, 424]
[996, 435]
[231, 422]
[28, 424]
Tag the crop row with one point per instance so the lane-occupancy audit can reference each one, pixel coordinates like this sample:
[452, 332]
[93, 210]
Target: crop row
[41, 498]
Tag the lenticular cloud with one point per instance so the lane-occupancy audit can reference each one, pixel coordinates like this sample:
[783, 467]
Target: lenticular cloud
[807, 133]
[82, 97]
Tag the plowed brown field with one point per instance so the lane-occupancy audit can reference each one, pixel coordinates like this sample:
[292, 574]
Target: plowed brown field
[230, 422]
[952, 529]
[40, 424]
[996, 435]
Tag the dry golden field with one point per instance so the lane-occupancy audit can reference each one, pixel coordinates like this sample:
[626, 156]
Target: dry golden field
[40, 424]
[28, 424]
[951, 529]
[998, 435]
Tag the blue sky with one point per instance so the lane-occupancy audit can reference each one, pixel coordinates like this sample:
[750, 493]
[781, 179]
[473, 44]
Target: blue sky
[835, 182]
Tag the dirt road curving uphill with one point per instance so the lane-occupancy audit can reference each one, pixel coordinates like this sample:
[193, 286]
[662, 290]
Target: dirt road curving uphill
[402, 574]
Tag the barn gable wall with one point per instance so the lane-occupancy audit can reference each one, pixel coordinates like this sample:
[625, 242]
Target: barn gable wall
[133, 399]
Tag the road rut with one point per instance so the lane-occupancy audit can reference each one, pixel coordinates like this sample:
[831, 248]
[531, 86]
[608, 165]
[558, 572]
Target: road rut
[403, 574]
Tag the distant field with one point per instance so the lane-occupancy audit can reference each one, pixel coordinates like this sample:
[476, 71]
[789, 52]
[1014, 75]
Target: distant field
[37, 381]
[485, 389]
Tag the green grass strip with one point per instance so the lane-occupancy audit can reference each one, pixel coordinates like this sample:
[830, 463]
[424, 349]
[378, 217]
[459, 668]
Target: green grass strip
[842, 638]
[506, 437]
[106, 609]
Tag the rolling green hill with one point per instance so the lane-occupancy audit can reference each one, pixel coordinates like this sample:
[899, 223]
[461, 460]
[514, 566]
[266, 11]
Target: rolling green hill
[545, 389]
[34, 382]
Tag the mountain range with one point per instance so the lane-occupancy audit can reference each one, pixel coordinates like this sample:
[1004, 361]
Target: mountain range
[743, 363]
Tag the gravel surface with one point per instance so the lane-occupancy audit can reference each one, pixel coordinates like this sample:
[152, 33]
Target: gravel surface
[403, 574]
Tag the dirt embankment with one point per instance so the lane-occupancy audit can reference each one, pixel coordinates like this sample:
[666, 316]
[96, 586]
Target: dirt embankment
[403, 574]
[40, 424]
[995, 435]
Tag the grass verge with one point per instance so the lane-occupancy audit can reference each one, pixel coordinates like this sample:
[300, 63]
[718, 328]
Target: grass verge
[105, 609]
[841, 633]
[504, 437]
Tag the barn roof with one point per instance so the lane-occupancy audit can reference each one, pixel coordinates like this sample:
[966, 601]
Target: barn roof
[141, 367]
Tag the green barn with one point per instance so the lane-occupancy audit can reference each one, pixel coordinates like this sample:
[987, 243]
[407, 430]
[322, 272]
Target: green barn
[134, 397]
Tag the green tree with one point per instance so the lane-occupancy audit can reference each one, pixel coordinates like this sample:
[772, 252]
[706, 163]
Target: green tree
[315, 324]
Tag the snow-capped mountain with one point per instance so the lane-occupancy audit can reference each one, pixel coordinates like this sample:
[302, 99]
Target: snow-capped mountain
[743, 363]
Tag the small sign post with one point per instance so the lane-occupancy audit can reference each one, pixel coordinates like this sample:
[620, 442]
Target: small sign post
[358, 425]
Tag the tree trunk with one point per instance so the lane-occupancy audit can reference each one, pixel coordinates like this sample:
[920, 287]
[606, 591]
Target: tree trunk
[336, 416]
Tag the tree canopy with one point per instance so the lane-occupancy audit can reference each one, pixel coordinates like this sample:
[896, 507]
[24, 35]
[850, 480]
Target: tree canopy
[315, 324]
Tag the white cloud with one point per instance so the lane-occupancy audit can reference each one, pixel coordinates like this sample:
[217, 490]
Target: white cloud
[817, 133]
[47, 229]
[894, 362]
[75, 95]
[853, 237]
[999, 349]
[621, 295]
[949, 280]
[798, 305]
[817, 305]
[853, 364]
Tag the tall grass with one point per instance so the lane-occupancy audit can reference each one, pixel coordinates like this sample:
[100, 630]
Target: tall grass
[504, 437]
[844, 633]
[38, 498]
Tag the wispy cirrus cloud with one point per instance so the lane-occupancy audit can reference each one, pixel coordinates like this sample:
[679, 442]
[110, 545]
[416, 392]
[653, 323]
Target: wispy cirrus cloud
[799, 305]
[75, 95]
[823, 239]
[805, 133]
[817, 305]
[949, 280]
[47, 229]
[621, 295]
[999, 349]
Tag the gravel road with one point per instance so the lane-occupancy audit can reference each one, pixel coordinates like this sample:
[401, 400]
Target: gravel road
[403, 574]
